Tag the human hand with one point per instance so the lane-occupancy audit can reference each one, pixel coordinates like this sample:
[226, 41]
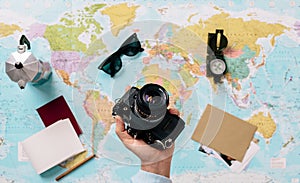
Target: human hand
[152, 160]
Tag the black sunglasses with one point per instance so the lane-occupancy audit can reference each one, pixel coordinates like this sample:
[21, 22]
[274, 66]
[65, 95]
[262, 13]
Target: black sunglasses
[113, 64]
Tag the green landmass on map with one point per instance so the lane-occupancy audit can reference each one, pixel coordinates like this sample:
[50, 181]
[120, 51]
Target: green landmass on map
[71, 26]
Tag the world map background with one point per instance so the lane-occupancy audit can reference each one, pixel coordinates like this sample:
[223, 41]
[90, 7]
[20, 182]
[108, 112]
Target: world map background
[262, 85]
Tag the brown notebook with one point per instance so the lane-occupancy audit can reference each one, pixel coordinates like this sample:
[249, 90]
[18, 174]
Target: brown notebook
[224, 132]
[56, 110]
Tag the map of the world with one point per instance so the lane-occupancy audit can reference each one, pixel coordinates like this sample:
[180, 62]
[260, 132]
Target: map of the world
[261, 85]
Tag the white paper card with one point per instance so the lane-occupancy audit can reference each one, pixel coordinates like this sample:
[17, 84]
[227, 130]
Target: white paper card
[240, 166]
[52, 145]
[237, 166]
[22, 156]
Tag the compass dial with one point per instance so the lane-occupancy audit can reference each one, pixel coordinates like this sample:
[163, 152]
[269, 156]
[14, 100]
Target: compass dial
[217, 66]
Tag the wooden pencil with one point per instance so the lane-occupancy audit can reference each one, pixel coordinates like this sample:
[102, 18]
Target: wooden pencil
[74, 167]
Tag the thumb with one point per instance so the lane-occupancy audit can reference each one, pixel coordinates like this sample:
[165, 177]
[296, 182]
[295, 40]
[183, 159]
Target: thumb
[120, 130]
[120, 127]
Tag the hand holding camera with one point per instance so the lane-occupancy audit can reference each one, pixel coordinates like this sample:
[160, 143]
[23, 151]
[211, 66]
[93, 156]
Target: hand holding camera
[147, 128]
[146, 116]
[152, 160]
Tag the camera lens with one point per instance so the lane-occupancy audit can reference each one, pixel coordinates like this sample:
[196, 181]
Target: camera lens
[152, 101]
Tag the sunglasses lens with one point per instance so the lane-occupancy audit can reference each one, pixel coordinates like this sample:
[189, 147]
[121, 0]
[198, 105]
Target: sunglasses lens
[132, 49]
[117, 65]
[131, 46]
[106, 68]
[111, 65]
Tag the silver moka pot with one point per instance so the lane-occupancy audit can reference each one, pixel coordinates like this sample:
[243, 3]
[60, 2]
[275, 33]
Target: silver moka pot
[23, 67]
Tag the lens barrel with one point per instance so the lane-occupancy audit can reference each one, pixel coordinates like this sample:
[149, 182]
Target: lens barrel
[152, 102]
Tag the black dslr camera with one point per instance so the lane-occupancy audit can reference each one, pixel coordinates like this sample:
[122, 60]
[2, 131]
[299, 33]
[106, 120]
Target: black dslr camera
[146, 116]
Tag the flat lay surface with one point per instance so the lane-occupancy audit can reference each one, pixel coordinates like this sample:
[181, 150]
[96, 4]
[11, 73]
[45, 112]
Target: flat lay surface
[261, 85]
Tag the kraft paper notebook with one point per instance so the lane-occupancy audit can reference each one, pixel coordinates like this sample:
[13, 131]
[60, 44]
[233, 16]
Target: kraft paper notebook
[55, 110]
[224, 132]
[52, 145]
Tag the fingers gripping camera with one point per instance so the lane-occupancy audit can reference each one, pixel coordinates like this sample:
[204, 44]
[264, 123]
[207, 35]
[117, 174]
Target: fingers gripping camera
[146, 117]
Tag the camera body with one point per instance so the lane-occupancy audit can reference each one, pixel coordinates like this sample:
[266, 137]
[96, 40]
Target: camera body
[146, 117]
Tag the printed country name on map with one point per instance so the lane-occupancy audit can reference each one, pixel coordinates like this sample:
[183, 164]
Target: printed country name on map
[232, 34]
[280, 52]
